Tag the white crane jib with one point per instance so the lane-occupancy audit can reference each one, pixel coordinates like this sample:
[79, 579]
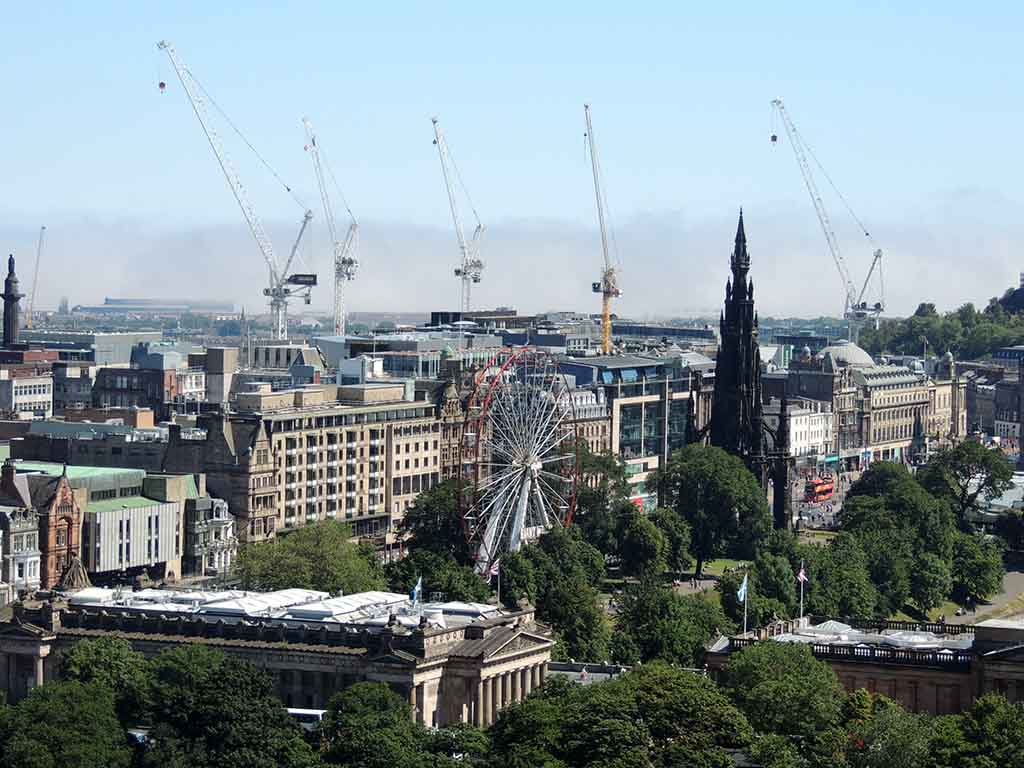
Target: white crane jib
[472, 265]
[281, 285]
[31, 308]
[346, 264]
[855, 310]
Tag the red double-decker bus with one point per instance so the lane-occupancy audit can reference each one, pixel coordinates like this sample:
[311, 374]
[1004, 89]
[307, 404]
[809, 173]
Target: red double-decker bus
[819, 489]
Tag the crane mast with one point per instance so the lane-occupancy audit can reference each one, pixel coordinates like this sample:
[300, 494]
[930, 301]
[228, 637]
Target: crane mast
[281, 286]
[855, 310]
[35, 280]
[472, 265]
[346, 264]
[608, 286]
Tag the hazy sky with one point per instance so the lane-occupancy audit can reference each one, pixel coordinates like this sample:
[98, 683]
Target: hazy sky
[914, 112]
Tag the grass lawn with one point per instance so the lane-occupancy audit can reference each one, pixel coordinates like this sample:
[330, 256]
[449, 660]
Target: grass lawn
[820, 538]
[949, 608]
[718, 567]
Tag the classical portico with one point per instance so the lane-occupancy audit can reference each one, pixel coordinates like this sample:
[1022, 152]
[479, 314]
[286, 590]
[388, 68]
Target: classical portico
[24, 650]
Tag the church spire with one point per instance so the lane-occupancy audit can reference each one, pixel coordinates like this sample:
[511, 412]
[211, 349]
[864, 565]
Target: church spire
[740, 257]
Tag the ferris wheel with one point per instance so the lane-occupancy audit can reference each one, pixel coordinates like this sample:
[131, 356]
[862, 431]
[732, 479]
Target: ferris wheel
[520, 455]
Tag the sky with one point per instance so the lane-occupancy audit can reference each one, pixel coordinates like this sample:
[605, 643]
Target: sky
[912, 108]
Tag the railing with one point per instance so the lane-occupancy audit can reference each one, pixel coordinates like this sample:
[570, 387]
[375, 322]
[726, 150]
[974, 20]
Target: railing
[935, 627]
[959, 661]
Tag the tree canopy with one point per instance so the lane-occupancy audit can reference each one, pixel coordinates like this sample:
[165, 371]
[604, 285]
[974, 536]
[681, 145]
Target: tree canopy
[433, 523]
[965, 475]
[656, 715]
[64, 724]
[783, 689]
[719, 499]
[321, 556]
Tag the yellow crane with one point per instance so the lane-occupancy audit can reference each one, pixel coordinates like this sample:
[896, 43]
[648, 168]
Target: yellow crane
[608, 285]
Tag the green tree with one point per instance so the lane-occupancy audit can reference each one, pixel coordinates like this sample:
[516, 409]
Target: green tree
[930, 582]
[433, 523]
[369, 725]
[64, 724]
[977, 571]
[966, 475]
[213, 710]
[642, 547]
[440, 574]
[839, 583]
[718, 497]
[601, 499]
[111, 662]
[988, 735]
[784, 689]
[677, 538]
[656, 715]
[655, 623]
[518, 580]
[321, 556]
[891, 738]
[571, 606]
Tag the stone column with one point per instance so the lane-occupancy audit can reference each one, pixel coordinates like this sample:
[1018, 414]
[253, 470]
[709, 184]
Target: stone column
[478, 704]
[38, 670]
[488, 703]
[527, 681]
[543, 672]
[516, 687]
[495, 697]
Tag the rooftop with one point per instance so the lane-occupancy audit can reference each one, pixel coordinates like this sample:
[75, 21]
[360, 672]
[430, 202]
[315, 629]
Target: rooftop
[368, 609]
[124, 502]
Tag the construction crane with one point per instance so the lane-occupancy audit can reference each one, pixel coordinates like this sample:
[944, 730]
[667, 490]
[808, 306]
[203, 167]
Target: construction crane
[345, 262]
[282, 286]
[856, 309]
[608, 285]
[35, 279]
[472, 265]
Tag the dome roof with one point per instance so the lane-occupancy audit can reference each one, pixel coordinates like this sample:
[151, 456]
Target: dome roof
[845, 352]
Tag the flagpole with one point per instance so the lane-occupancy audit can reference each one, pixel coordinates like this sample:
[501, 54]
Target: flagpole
[801, 596]
[499, 586]
[744, 612]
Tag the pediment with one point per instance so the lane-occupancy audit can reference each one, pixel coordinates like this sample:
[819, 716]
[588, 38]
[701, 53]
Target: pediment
[521, 641]
[22, 630]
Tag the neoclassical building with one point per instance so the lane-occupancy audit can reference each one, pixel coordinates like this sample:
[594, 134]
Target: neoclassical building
[456, 662]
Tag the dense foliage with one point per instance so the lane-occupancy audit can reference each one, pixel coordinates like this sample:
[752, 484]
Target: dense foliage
[655, 716]
[718, 498]
[320, 556]
[655, 623]
[966, 332]
[561, 574]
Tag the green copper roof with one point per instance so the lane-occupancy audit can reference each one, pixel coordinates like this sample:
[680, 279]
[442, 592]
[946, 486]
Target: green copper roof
[76, 472]
[127, 502]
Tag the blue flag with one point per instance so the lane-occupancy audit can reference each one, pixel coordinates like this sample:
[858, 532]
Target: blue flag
[416, 591]
[741, 595]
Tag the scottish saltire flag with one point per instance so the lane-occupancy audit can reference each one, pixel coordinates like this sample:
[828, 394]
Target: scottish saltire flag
[416, 591]
[741, 595]
[802, 576]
